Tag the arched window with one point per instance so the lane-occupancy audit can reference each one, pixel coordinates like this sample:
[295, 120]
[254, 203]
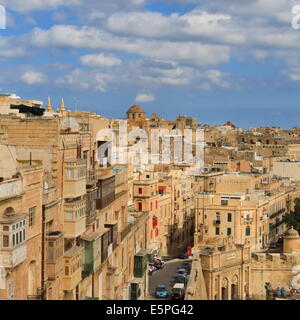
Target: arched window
[9, 212]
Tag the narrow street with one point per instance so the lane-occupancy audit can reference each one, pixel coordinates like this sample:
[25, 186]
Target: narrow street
[164, 277]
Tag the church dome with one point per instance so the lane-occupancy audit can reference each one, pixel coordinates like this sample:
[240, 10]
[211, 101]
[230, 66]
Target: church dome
[292, 233]
[136, 109]
[136, 112]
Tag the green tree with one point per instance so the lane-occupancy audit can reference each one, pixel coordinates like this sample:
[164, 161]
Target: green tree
[293, 219]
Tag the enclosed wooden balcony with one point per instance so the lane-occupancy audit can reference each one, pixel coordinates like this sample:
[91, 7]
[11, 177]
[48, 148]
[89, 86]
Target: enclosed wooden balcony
[113, 226]
[105, 244]
[75, 217]
[55, 253]
[106, 191]
[74, 178]
[91, 196]
[72, 268]
[13, 248]
[92, 252]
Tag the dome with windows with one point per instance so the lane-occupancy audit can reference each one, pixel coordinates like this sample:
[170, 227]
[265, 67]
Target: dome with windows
[136, 112]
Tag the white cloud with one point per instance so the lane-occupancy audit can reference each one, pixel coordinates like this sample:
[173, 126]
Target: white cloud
[144, 97]
[100, 60]
[194, 25]
[29, 5]
[64, 36]
[24, 6]
[218, 78]
[33, 78]
[173, 50]
[83, 80]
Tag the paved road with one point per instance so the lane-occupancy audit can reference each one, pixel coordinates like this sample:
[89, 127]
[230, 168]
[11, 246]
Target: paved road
[164, 276]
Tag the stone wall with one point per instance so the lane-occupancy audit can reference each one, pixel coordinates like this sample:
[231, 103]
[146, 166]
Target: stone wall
[196, 287]
[275, 268]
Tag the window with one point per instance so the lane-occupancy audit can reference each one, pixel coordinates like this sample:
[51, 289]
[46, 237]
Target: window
[70, 173]
[50, 255]
[248, 231]
[81, 172]
[224, 202]
[31, 221]
[5, 228]
[85, 154]
[229, 231]
[217, 231]
[69, 215]
[140, 206]
[229, 217]
[140, 190]
[5, 241]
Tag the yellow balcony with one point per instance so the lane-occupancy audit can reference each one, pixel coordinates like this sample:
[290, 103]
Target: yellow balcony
[13, 248]
[75, 218]
[55, 253]
[74, 178]
[72, 268]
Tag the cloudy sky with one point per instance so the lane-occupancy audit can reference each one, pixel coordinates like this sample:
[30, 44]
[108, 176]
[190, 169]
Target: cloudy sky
[218, 60]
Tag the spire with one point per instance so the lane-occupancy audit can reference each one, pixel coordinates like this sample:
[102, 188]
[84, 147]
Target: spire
[49, 106]
[62, 108]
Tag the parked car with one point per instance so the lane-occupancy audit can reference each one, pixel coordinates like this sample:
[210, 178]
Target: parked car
[186, 266]
[151, 268]
[158, 263]
[180, 279]
[178, 291]
[161, 292]
[182, 272]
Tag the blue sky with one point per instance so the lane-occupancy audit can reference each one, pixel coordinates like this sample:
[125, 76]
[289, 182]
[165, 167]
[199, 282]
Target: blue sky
[239, 62]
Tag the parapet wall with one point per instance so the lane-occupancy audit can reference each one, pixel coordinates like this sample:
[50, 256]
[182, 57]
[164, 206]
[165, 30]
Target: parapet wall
[196, 288]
